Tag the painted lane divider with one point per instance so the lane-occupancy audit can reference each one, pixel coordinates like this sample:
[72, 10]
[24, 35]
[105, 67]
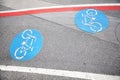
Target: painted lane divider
[26, 45]
[64, 73]
[114, 6]
[91, 20]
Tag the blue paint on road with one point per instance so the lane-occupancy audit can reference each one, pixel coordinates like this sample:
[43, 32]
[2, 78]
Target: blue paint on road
[26, 45]
[91, 20]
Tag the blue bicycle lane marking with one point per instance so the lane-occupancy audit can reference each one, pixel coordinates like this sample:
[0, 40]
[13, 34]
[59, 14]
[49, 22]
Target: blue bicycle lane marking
[91, 20]
[26, 45]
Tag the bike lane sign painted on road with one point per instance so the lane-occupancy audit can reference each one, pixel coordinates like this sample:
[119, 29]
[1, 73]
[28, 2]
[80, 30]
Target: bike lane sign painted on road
[26, 45]
[91, 20]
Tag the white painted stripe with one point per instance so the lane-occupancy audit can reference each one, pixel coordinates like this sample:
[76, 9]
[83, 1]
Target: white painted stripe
[65, 6]
[64, 73]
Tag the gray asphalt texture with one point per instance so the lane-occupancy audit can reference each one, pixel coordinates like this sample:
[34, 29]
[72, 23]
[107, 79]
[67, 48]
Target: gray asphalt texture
[64, 47]
[4, 8]
[67, 2]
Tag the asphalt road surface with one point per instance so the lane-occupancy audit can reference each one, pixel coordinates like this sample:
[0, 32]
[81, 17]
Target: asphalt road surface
[64, 2]
[65, 46]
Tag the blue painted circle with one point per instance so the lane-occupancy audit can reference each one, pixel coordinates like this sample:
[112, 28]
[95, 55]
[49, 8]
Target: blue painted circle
[26, 45]
[91, 20]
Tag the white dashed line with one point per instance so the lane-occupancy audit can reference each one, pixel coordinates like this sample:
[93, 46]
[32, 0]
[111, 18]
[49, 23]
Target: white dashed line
[64, 73]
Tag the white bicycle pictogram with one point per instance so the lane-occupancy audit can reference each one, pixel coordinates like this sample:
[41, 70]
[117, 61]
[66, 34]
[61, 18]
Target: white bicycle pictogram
[89, 20]
[26, 45]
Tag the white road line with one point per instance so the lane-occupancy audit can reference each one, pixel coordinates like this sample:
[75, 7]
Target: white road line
[64, 73]
[65, 6]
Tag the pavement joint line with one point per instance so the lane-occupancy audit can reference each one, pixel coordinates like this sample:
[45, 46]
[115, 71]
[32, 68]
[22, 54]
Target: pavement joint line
[62, 73]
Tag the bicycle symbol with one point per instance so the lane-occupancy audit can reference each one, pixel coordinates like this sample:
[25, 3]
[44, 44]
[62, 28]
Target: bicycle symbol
[26, 45]
[89, 20]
